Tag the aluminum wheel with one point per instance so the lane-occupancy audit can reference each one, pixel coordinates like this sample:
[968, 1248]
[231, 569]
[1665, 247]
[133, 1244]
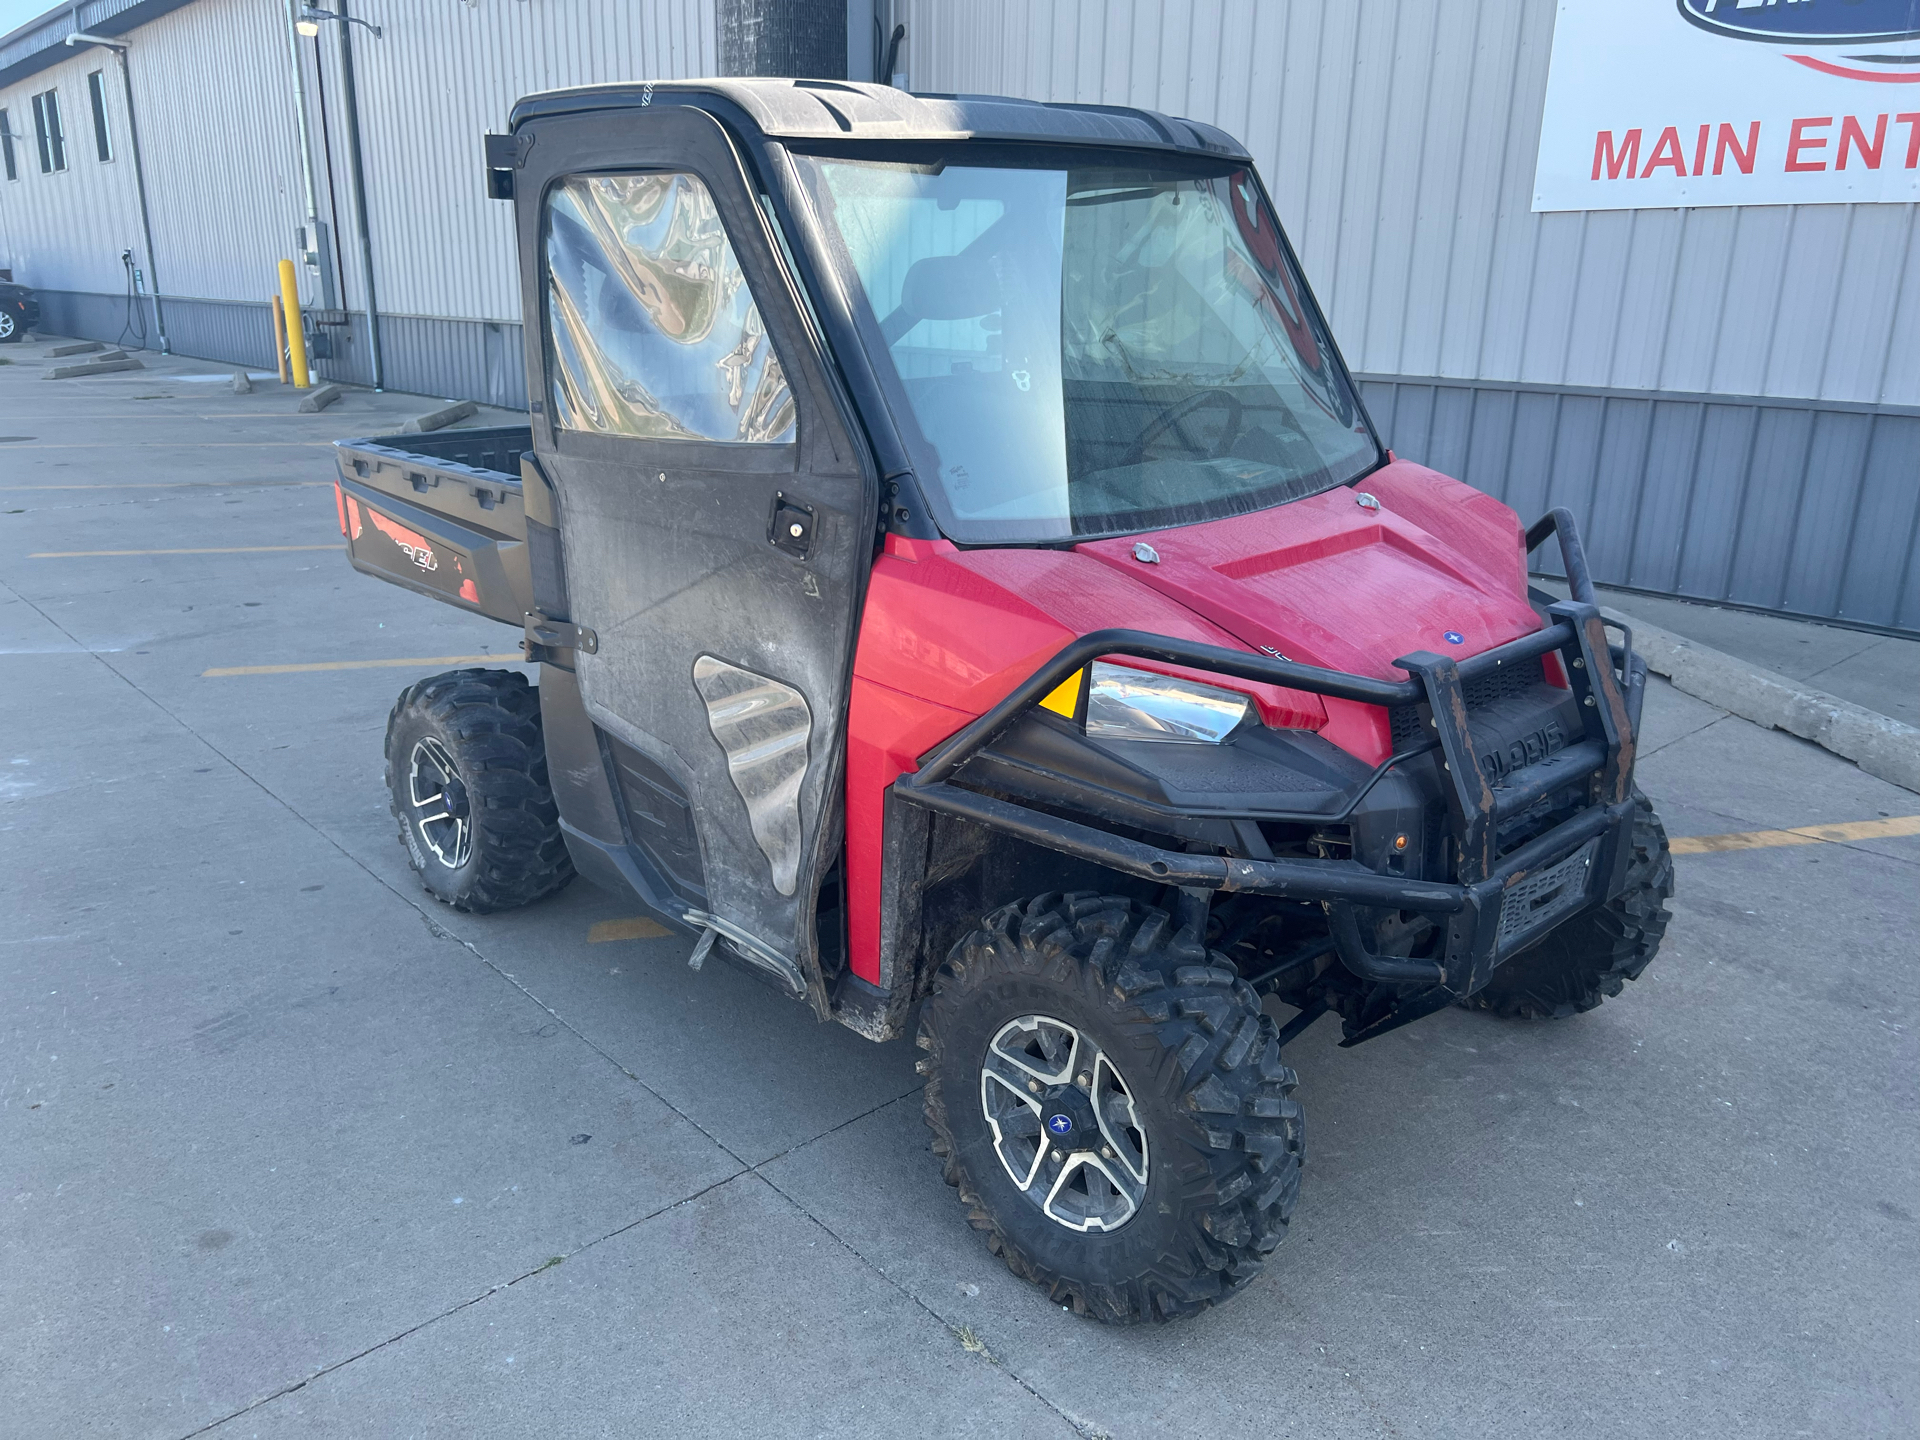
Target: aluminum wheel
[1064, 1124]
[440, 806]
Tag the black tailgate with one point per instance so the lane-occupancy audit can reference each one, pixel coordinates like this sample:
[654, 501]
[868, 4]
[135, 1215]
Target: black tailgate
[441, 514]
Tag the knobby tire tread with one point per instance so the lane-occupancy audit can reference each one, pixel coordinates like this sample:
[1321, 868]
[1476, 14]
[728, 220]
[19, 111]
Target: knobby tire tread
[1590, 958]
[1241, 1151]
[490, 722]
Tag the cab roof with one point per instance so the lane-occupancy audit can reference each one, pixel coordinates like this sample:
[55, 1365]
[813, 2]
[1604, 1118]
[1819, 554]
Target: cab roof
[846, 110]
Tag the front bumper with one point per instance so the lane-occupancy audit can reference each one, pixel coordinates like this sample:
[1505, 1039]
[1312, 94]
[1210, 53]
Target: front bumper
[1498, 903]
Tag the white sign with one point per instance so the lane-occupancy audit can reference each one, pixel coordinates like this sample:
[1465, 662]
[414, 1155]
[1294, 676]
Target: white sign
[1662, 103]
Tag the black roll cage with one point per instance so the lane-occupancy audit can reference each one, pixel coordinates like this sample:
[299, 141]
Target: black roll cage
[810, 252]
[1607, 680]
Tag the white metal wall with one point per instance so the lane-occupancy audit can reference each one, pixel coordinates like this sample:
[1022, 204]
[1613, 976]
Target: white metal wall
[1398, 139]
[222, 156]
[1728, 398]
[441, 77]
[211, 82]
[40, 214]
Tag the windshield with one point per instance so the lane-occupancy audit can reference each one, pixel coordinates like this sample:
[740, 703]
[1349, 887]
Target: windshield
[1092, 350]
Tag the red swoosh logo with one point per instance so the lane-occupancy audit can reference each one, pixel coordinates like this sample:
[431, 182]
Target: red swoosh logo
[1827, 67]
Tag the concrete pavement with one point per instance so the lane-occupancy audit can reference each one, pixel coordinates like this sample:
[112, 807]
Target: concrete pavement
[288, 1149]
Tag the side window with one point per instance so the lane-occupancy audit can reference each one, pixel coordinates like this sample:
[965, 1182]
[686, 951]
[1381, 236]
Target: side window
[652, 330]
[46, 130]
[97, 96]
[6, 145]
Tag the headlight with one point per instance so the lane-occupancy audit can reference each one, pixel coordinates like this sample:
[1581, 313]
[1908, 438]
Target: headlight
[1124, 704]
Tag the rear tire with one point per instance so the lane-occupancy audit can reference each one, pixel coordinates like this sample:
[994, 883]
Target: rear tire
[1207, 1153]
[467, 778]
[1592, 956]
[12, 332]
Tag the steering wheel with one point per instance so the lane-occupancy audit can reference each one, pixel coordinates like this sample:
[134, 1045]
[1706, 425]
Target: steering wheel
[1170, 418]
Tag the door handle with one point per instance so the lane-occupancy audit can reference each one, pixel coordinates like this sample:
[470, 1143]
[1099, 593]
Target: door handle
[790, 529]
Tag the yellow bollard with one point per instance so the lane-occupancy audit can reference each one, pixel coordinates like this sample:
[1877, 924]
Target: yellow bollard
[279, 337]
[296, 337]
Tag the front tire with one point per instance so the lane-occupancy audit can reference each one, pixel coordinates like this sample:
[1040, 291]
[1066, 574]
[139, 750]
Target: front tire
[467, 778]
[1111, 1105]
[1591, 957]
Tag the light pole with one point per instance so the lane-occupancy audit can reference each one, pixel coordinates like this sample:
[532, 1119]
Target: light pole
[119, 49]
[309, 24]
[314, 248]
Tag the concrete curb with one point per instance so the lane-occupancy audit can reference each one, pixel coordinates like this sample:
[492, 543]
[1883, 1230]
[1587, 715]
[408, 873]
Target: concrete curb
[98, 367]
[85, 347]
[318, 400]
[436, 419]
[1878, 744]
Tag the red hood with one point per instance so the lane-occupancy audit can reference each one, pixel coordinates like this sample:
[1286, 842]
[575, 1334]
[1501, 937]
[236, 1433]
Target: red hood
[1322, 581]
[1328, 581]
[946, 633]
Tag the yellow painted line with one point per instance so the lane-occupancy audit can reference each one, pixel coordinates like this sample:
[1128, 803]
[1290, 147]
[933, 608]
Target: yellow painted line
[213, 550]
[1800, 835]
[634, 927]
[176, 485]
[509, 659]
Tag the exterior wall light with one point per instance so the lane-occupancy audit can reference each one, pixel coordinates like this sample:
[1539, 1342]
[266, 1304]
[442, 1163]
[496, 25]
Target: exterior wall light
[311, 19]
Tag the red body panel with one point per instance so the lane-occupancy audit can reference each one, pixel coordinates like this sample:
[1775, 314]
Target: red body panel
[947, 632]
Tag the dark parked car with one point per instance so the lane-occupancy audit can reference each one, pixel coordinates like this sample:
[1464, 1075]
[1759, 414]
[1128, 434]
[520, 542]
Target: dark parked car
[19, 312]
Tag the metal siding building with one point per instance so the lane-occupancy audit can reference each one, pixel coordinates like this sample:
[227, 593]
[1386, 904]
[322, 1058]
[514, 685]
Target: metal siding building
[1728, 397]
[211, 82]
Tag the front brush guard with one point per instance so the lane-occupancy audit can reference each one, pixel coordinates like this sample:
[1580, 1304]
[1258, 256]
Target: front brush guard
[1469, 908]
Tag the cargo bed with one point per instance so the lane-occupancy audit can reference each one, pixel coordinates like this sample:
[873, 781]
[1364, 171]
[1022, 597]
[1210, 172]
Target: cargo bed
[441, 514]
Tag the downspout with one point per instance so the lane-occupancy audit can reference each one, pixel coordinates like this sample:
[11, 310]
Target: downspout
[357, 170]
[146, 219]
[119, 49]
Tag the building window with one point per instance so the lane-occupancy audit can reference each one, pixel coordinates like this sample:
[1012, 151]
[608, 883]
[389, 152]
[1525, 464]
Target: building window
[97, 94]
[6, 144]
[46, 129]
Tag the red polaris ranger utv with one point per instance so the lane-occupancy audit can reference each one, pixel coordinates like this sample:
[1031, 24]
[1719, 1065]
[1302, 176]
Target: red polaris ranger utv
[967, 589]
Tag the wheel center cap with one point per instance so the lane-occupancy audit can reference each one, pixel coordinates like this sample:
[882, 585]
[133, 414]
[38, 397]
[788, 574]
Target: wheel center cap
[1069, 1117]
[455, 796]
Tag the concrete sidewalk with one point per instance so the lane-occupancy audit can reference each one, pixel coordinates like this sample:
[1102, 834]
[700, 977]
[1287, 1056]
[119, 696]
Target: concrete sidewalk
[1884, 670]
[186, 377]
[1879, 672]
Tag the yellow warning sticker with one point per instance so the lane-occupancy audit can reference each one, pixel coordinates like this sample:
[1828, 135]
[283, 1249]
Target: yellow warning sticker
[1065, 699]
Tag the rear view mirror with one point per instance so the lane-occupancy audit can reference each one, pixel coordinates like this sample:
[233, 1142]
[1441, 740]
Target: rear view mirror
[950, 287]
